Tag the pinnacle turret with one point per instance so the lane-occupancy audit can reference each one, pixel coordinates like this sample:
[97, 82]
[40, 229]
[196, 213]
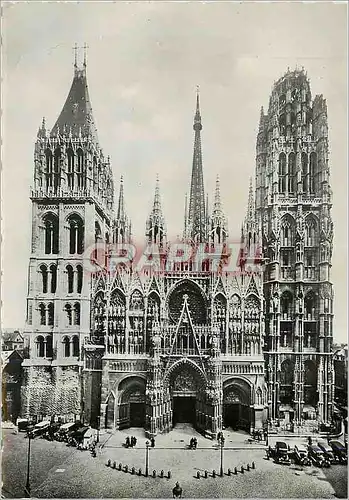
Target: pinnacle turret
[218, 223]
[122, 224]
[156, 227]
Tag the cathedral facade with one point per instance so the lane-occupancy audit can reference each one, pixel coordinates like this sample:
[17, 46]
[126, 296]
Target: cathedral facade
[180, 339]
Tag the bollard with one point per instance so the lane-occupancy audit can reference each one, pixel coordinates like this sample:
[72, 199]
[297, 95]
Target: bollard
[126, 468]
[206, 474]
[235, 470]
[253, 465]
[162, 473]
[229, 472]
[139, 472]
[109, 463]
[213, 473]
[133, 471]
[198, 474]
[169, 475]
[114, 465]
[248, 467]
[154, 473]
[120, 466]
[242, 469]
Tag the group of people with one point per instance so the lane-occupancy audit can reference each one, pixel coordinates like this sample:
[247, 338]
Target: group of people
[130, 442]
[193, 443]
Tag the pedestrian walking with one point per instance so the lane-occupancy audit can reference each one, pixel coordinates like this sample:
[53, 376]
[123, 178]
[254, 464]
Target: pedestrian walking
[127, 442]
[152, 442]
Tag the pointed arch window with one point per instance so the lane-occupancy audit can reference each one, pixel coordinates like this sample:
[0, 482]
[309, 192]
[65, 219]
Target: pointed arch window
[76, 313]
[287, 232]
[44, 278]
[53, 275]
[76, 234]
[292, 173]
[282, 173]
[51, 234]
[70, 168]
[286, 306]
[310, 232]
[76, 349]
[310, 306]
[80, 277]
[49, 168]
[312, 173]
[66, 347]
[70, 276]
[305, 173]
[80, 170]
[57, 169]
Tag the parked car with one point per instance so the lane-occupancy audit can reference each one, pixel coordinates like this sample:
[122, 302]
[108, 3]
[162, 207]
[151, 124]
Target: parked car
[65, 429]
[279, 453]
[317, 456]
[339, 451]
[53, 430]
[39, 429]
[23, 424]
[328, 452]
[301, 455]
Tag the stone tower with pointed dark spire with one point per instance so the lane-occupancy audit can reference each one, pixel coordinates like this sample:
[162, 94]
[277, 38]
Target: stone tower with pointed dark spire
[72, 210]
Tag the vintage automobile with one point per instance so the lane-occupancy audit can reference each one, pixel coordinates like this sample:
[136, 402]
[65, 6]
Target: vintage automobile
[23, 424]
[279, 453]
[317, 456]
[301, 455]
[64, 431]
[52, 430]
[339, 451]
[328, 452]
[39, 429]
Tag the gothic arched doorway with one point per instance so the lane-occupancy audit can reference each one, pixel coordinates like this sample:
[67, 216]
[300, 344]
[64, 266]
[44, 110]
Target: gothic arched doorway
[131, 403]
[186, 386]
[236, 405]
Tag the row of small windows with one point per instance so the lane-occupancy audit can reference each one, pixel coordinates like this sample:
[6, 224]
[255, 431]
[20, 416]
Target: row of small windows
[288, 174]
[76, 234]
[76, 172]
[46, 312]
[49, 278]
[44, 346]
[288, 230]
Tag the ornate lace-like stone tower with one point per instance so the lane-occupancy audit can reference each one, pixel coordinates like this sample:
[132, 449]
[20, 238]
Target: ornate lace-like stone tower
[72, 202]
[293, 206]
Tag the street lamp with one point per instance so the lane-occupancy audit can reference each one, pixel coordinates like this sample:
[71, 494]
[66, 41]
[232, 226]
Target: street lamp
[27, 486]
[222, 448]
[146, 458]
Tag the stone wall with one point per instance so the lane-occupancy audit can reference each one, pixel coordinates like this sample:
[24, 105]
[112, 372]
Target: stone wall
[51, 391]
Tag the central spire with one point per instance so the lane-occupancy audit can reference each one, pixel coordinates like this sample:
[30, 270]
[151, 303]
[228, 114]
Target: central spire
[197, 214]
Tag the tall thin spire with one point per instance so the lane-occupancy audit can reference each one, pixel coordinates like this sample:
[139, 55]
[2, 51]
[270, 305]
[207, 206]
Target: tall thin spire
[157, 201]
[197, 209]
[217, 206]
[121, 205]
[250, 216]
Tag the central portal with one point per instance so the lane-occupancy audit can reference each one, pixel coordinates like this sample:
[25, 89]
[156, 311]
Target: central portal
[184, 410]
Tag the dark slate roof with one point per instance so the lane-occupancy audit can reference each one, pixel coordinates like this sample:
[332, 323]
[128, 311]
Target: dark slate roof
[76, 116]
[11, 335]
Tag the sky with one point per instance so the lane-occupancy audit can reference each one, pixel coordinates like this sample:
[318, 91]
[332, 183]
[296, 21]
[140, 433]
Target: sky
[144, 62]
